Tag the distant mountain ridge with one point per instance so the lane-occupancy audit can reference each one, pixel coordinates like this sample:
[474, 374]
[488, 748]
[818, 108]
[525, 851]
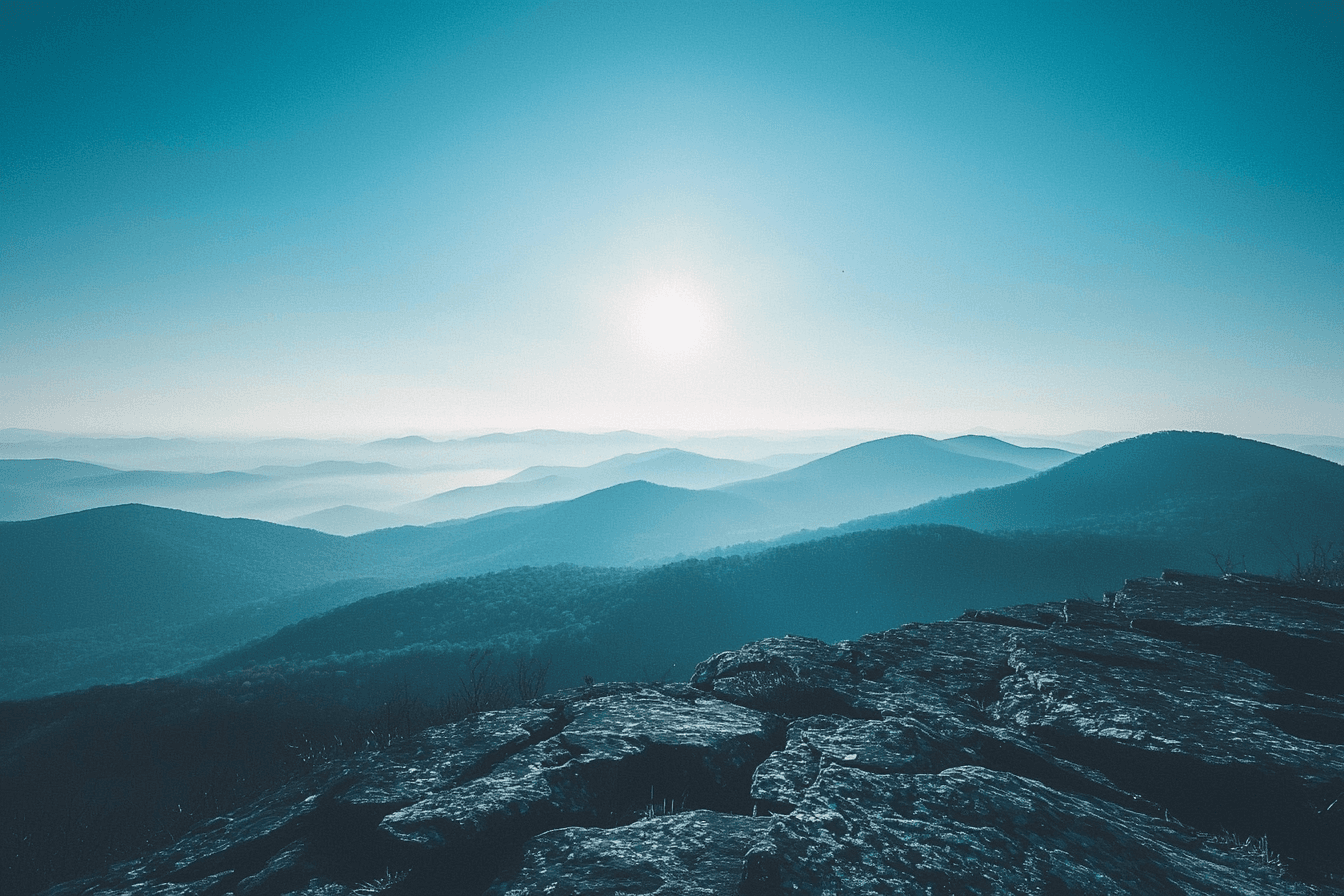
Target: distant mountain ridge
[1247, 497]
[70, 579]
[991, 448]
[131, 591]
[325, 468]
[895, 472]
[188, 569]
[1127, 488]
[834, 490]
[34, 488]
[665, 466]
[1333, 453]
[345, 487]
[1193, 494]
[347, 519]
[546, 484]
[615, 526]
[48, 470]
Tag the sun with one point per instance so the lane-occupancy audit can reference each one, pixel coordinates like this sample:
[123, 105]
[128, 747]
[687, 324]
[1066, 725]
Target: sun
[671, 322]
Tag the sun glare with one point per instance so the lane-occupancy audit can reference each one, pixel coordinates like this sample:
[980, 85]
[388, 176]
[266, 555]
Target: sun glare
[671, 322]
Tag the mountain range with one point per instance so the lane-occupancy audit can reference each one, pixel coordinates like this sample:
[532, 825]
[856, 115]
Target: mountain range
[206, 584]
[349, 497]
[34, 488]
[1156, 502]
[891, 473]
[513, 451]
[548, 484]
[1257, 504]
[116, 561]
[614, 624]
[354, 489]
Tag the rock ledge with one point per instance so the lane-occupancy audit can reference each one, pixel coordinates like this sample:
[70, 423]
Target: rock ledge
[1184, 736]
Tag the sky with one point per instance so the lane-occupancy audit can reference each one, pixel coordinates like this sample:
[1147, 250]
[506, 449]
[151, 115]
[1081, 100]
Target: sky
[367, 219]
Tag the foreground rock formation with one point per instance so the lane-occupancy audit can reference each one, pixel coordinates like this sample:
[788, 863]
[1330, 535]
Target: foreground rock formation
[1184, 736]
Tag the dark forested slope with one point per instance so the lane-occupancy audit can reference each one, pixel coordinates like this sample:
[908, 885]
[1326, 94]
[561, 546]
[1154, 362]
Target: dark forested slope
[119, 593]
[131, 561]
[646, 623]
[1192, 495]
[127, 592]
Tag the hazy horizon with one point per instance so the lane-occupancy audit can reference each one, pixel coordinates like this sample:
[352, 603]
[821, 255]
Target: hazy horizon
[1084, 438]
[391, 219]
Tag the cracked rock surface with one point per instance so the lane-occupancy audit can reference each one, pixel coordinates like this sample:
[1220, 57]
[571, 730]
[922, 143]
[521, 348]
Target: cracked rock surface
[1185, 736]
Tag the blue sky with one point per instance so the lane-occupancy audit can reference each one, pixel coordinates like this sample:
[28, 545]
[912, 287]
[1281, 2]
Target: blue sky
[359, 219]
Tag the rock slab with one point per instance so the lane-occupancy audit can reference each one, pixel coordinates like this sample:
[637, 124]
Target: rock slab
[1184, 736]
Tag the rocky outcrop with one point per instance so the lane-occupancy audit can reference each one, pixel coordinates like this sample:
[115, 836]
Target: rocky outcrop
[1184, 736]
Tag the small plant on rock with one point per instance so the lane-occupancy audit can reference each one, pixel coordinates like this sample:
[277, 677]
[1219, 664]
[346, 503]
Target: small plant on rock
[1325, 568]
[669, 807]
[389, 880]
[1256, 848]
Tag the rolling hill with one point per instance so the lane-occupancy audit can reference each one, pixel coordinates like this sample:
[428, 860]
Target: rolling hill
[1239, 496]
[347, 519]
[547, 484]
[352, 489]
[126, 562]
[326, 468]
[46, 472]
[991, 448]
[34, 488]
[173, 588]
[126, 592]
[627, 523]
[657, 622]
[884, 475]
[664, 466]
[120, 593]
[511, 449]
[1333, 453]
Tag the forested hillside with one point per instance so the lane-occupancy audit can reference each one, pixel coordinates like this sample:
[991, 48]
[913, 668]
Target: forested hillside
[1249, 504]
[1168, 484]
[131, 562]
[120, 593]
[639, 624]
